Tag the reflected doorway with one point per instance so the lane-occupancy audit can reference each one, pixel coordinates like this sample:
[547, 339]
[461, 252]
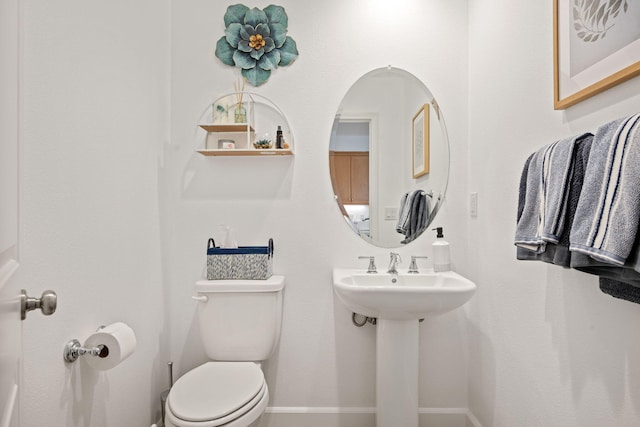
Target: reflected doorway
[353, 170]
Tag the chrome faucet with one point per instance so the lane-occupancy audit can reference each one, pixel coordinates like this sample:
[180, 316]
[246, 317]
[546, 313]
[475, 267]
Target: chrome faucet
[372, 264]
[413, 266]
[393, 263]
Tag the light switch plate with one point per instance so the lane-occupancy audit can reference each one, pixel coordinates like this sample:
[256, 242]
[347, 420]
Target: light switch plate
[473, 205]
[390, 213]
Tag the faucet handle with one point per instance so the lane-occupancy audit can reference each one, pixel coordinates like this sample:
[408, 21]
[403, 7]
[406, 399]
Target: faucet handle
[413, 267]
[372, 264]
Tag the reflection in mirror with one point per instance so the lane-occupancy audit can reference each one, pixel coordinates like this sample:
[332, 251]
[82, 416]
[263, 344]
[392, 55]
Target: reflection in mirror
[389, 157]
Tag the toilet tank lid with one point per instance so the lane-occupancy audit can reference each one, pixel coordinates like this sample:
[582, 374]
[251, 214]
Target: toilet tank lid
[274, 283]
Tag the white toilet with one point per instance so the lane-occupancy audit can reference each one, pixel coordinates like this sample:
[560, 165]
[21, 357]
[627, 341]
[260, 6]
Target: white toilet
[240, 325]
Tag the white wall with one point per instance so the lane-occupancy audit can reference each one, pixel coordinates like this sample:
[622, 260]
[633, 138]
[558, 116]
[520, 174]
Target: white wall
[323, 360]
[547, 347]
[94, 92]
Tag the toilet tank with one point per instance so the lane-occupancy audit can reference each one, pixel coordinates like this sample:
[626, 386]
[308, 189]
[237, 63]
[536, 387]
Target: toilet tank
[240, 320]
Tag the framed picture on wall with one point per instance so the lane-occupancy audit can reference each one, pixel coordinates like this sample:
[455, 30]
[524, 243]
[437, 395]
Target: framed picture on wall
[596, 46]
[420, 142]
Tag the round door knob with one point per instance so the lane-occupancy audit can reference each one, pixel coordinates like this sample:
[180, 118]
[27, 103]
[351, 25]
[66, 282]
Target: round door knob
[47, 302]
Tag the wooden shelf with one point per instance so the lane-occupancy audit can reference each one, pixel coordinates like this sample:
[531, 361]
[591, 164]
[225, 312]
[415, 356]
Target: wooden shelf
[245, 152]
[261, 114]
[227, 127]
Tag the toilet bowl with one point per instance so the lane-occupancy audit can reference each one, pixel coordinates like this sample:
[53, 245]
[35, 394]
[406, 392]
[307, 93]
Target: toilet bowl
[229, 394]
[239, 325]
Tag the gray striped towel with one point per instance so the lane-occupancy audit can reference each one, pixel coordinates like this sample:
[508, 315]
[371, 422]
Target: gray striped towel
[528, 231]
[407, 202]
[608, 213]
[547, 190]
[558, 253]
[557, 174]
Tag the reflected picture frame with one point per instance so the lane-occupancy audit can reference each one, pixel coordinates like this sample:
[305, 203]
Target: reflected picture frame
[596, 45]
[420, 142]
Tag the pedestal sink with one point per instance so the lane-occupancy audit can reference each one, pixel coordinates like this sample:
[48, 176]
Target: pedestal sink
[399, 301]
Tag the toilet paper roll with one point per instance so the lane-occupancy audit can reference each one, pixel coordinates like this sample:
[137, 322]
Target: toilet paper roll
[120, 342]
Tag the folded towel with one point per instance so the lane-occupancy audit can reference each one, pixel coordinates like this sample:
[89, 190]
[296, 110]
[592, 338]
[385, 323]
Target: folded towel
[415, 215]
[547, 189]
[522, 189]
[626, 273]
[620, 290]
[403, 213]
[406, 202]
[528, 232]
[558, 253]
[621, 282]
[557, 176]
[608, 213]
[580, 163]
[419, 215]
[415, 210]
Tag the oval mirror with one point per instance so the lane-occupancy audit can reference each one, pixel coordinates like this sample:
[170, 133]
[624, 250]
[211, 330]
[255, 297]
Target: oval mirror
[389, 157]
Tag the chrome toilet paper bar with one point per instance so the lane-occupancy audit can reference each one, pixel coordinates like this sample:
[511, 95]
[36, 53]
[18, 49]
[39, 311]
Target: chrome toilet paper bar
[108, 347]
[73, 350]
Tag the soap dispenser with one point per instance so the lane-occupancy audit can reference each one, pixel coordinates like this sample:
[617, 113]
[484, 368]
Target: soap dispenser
[441, 254]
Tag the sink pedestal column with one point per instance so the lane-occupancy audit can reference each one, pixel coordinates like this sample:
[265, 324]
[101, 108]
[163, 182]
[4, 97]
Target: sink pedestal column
[397, 373]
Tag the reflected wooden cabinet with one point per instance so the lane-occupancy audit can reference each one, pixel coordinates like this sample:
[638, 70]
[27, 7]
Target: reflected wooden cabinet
[350, 176]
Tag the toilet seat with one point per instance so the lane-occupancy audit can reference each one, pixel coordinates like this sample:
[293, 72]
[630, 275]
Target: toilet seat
[216, 394]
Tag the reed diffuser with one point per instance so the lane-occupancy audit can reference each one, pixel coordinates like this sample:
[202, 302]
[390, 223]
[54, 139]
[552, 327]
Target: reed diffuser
[240, 113]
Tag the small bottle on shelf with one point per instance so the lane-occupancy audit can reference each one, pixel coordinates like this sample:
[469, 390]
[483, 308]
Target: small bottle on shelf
[279, 138]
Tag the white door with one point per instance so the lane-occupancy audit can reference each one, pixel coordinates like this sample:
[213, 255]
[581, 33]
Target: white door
[10, 349]
[14, 302]
[10, 323]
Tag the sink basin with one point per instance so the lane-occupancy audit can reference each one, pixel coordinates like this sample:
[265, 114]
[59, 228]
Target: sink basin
[401, 296]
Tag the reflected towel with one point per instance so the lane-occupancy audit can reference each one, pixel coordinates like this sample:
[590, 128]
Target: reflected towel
[418, 216]
[403, 214]
[606, 221]
[406, 205]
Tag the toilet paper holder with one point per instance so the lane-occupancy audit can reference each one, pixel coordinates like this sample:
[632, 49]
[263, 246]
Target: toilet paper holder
[73, 350]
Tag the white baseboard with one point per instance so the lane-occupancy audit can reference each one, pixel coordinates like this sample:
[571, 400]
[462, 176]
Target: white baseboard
[296, 416]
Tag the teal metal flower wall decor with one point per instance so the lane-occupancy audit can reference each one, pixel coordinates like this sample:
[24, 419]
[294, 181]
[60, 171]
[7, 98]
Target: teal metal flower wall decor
[256, 41]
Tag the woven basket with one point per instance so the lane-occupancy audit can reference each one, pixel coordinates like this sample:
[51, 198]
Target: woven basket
[244, 262]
